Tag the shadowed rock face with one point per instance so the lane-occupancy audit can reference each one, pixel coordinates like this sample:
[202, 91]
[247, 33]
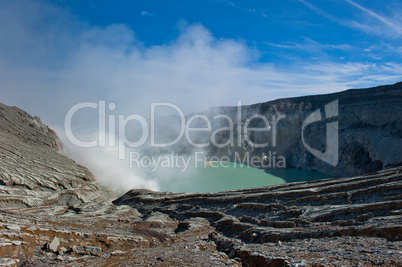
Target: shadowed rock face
[53, 213]
[369, 133]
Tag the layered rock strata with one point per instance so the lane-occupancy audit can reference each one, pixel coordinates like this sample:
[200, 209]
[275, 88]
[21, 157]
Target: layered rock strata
[298, 221]
[33, 169]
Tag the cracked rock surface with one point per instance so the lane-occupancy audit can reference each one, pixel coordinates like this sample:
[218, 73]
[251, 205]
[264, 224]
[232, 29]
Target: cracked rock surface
[311, 222]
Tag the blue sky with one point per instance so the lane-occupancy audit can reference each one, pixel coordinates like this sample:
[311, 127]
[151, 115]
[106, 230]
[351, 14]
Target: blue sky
[282, 32]
[195, 54]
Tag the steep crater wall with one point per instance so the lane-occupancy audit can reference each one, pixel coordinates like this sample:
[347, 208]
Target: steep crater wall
[369, 130]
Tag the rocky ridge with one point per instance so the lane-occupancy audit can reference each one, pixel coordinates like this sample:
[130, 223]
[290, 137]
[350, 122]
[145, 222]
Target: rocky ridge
[34, 171]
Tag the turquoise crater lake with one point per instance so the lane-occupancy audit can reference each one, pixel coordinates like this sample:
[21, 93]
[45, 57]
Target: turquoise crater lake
[221, 176]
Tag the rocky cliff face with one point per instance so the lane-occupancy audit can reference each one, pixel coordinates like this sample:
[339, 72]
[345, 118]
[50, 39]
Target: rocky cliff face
[33, 169]
[368, 128]
[53, 213]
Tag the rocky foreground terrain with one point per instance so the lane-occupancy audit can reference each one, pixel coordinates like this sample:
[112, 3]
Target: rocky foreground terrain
[53, 212]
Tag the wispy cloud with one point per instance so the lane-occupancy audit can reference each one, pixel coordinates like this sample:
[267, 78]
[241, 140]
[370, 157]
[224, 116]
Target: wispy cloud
[319, 11]
[311, 46]
[228, 2]
[393, 25]
[146, 14]
[391, 28]
[250, 10]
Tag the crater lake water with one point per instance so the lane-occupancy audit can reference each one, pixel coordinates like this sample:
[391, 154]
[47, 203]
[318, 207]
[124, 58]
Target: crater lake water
[229, 176]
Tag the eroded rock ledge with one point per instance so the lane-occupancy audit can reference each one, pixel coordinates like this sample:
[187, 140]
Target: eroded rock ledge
[340, 222]
[254, 219]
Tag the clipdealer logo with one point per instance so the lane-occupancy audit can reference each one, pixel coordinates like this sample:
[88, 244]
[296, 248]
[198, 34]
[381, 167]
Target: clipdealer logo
[240, 126]
[331, 151]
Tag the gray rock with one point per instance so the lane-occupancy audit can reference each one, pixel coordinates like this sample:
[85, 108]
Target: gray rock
[14, 228]
[54, 245]
[33, 168]
[87, 250]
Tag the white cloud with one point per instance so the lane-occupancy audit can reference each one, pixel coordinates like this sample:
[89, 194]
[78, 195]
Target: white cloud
[244, 9]
[311, 46]
[146, 14]
[394, 26]
[368, 22]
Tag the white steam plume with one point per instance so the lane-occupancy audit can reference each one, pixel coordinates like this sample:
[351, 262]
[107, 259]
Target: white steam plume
[110, 171]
